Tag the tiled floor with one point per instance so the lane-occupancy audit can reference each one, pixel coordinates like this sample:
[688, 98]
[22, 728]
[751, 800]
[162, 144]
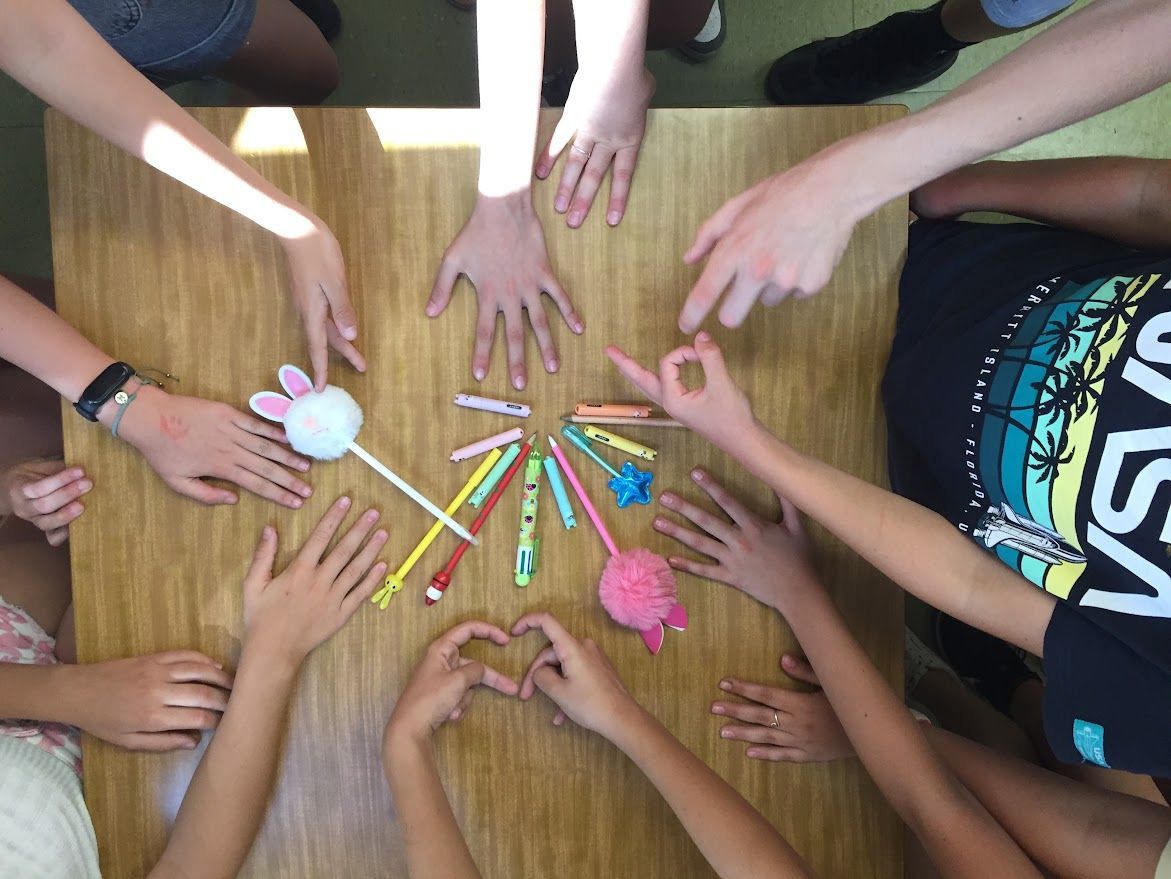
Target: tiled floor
[421, 53]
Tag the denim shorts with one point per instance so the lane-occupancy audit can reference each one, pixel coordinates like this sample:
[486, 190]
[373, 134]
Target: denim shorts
[1021, 13]
[171, 40]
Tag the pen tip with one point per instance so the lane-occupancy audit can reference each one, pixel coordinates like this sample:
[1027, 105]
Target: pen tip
[552, 441]
[566, 418]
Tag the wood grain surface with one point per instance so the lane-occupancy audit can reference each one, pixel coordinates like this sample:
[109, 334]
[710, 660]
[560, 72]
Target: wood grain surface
[159, 276]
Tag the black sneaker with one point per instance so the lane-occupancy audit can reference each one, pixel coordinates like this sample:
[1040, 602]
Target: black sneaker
[711, 36]
[865, 64]
[324, 14]
[989, 666]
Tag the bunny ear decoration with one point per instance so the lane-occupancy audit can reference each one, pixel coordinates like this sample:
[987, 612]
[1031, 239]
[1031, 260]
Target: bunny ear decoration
[295, 382]
[270, 405]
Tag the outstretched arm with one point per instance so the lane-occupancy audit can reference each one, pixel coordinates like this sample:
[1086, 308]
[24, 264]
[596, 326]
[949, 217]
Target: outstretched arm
[734, 838]
[440, 690]
[771, 562]
[285, 617]
[1125, 199]
[915, 547]
[501, 248]
[52, 51]
[785, 235]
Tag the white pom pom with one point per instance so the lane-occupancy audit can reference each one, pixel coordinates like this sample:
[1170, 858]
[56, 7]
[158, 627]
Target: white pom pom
[323, 425]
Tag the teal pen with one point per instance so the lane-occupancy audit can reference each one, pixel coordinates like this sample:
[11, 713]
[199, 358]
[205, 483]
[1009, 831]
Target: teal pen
[574, 434]
[559, 494]
[481, 494]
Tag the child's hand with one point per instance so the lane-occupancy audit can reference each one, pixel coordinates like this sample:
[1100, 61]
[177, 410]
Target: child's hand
[764, 559]
[718, 411]
[288, 615]
[443, 683]
[605, 117]
[186, 439]
[148, 703]
[784, 725]
[317, 275]
[577, 676]
[501, 250]
[44, 493]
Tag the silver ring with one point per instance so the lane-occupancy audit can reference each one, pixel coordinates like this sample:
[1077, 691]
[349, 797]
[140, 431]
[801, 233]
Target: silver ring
[584, 152]
[776, 721]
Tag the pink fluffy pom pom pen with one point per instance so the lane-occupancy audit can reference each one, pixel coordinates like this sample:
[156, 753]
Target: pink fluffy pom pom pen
[637, 587]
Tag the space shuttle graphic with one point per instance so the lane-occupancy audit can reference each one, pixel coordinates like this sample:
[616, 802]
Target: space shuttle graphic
[1001, 526]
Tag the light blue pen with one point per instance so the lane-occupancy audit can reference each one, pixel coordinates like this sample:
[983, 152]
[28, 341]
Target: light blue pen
[481, 494]
[550, 464]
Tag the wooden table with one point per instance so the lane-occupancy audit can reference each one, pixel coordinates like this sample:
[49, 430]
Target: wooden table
[159, 276]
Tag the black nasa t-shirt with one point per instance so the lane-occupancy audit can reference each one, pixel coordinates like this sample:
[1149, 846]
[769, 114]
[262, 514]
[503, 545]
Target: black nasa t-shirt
[1028, 395]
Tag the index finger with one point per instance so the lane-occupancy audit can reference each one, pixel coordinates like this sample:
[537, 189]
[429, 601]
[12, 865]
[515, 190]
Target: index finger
[637, 374]
[43, 487]
[716, 276]
[467, 630]
[557, 634]
[324, 531]
[318, 342]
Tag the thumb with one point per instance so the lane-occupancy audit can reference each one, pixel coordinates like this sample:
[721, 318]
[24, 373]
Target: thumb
[550, 682]
[199, 490]
[711, 358]
[260, 571]
[799, 669]
[790, 515]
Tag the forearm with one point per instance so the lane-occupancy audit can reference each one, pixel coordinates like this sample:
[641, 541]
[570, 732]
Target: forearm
[37, 692]
[611, 36]
[51, 50]
[510, 40]
[35, 339]
[435, 846]
[225, 803]
[949, 821]
[1069, 827]
[734, 838]
[1125, 199]
[915, 547]
[1034, 90]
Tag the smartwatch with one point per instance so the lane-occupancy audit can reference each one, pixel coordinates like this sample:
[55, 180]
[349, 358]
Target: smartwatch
[102, 389]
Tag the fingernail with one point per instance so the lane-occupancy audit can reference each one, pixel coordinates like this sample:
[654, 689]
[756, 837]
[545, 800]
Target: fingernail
[551, 365]
[579, 327]
[717, 709]
[85, 485]
[560, 204]
[518, 382]
[575, 218]
[350, 333]
[667, 499]
[478, 374]
[344, 502]
[267, 532]
[380, 535]
[613, 217]
[697, 475]
[381, 567]
[726, 733]
[305, 491]
[725, 685]
[302, 466]
[703, 336]
[219, 665]
[370, 515]
[296, 503]
[659, 523]
[189, 745]
[432, 310]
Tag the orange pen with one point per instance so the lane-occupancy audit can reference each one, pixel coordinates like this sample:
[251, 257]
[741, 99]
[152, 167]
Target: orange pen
[613, 410]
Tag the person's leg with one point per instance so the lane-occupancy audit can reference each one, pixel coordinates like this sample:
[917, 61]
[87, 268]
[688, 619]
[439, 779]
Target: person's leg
[961, 711]
[284, 59]
[1068, 828]
[36, 576]
[899, 53]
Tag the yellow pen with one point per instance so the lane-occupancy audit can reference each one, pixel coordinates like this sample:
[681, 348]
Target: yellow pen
[395, 581]
[619, 442]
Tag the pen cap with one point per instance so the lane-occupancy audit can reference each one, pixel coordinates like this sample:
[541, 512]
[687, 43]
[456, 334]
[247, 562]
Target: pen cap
[575, 435]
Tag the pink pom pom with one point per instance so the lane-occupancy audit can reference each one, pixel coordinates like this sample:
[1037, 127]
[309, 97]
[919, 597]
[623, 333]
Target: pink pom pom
[637, 588]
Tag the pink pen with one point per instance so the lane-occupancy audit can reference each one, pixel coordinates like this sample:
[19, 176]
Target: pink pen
[487, 404]
[583, 497]
[484, 445]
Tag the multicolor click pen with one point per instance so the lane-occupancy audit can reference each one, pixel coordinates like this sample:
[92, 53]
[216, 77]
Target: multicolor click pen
[527, 542]
[559, 493]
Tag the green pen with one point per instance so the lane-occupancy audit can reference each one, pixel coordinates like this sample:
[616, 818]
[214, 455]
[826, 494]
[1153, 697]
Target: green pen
[489, 483]
[527, 542]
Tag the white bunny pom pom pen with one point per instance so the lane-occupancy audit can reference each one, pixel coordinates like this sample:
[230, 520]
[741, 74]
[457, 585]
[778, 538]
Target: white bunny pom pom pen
[324, 426]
